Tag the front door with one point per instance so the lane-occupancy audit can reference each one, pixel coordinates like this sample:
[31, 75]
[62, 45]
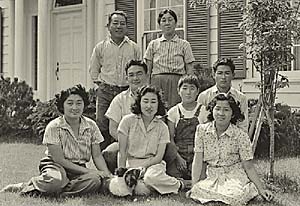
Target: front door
[69, 50]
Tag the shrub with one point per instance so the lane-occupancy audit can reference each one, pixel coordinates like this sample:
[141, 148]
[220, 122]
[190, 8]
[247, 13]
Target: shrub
[287, 132]
[205, 76]
[16, 103]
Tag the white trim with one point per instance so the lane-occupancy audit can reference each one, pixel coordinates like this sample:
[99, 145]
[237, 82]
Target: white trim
[67, 7]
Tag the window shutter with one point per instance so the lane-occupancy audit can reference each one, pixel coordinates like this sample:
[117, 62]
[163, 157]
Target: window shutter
[198, 32]
[230, 37]
[129, 6]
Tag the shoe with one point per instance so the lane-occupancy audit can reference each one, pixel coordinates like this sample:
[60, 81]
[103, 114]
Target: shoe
[13, 188]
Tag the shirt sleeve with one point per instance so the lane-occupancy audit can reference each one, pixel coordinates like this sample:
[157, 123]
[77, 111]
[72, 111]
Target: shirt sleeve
[188, 53]
[165, 135]
[124, 125]
[114, 110]
[245, 149]
[95, 62]
[173, 114]
[149, 52]
[97, 137]
[51, 135]
[199, 139]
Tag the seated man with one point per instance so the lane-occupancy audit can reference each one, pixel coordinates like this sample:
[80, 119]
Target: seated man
[223, 75]
[136, 75]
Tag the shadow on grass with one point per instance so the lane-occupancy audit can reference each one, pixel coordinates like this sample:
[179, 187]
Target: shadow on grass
[25, 136]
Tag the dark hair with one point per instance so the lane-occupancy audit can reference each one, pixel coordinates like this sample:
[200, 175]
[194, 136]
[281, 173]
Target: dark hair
[165, 11]
[136, 63]
[122, 13]
[189, 79]
[226, 62]
[136, 107]
[235, 106]
[64, 94]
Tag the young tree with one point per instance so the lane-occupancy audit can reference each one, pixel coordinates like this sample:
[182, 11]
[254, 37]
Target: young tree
[271, 26]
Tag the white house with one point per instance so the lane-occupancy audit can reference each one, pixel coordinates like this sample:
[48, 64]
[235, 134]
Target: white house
[48, 43]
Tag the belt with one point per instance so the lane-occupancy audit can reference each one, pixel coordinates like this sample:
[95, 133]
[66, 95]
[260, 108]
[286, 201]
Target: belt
[111, 85]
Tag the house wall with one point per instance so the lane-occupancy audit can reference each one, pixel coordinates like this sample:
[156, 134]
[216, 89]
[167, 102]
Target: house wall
[4, 4]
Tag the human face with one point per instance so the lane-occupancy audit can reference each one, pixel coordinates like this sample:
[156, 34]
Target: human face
[117, 27]
[222, 113]
[167, 24]
[136, 77]
[73, 106]
[223, 77]
[149, 104]
[188, 92]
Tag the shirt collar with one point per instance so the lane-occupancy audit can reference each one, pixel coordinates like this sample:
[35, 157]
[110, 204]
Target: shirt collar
[216, 91]
[229, 131]
[174, 39]
[125, 40]
[83, 123]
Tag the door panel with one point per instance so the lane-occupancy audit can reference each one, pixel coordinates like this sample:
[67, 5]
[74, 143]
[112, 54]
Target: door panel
[69, 50]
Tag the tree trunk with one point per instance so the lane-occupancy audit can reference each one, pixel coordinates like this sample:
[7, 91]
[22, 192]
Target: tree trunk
[270, 118]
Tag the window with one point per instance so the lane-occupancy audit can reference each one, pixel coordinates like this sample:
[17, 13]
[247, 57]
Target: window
[60, 3]
[296, 44]
[151, 11]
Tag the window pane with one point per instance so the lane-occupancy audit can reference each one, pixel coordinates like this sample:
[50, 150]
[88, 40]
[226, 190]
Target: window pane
[149, 20]
[179, 13]
[149, 4]
[59, 3]
[163, 3]
[176, 2]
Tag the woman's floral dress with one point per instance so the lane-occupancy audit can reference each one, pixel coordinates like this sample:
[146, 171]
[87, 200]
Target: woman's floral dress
[226, 179]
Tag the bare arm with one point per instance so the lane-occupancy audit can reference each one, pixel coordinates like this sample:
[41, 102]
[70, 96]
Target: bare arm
[157, 158]
[197, 167]
[113, 129]
[57, 155]
[150, 67]
[99, 160]
[253, 176]
[123, 142]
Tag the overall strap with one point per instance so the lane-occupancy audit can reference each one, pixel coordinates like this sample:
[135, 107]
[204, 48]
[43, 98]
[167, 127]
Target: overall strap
[198, 111]
[180, 113]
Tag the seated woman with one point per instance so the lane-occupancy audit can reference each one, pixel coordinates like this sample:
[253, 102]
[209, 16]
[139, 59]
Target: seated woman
[142, 140]
[71, 141]
[231, 176]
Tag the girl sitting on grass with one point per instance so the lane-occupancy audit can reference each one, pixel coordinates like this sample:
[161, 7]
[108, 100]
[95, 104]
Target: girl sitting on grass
[71, 140]
[142, 140]
[231, 176]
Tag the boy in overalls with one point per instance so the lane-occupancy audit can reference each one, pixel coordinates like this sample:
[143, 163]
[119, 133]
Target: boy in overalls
[183, 119]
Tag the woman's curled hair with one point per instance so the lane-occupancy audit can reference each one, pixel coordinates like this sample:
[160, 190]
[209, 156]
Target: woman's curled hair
[136, 107]
[235, 106]
[64, 94]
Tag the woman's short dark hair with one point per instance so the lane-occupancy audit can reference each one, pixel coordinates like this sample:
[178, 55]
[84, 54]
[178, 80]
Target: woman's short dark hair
[136, 63]
[235, 106]
[64, 94]
[136, 107]
[226, 62]
[165, 11]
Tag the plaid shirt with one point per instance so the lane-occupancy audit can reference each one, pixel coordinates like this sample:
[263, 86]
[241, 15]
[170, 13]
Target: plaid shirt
[108, 60]
[169, 56]
[77, 150]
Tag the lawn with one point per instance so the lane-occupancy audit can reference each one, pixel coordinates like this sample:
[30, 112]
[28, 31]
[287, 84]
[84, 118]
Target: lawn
[19, 162]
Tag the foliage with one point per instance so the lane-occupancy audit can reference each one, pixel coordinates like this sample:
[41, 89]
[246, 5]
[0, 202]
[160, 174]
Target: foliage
[44, 112]
[16, 103]
[205, 76]
[287, 131]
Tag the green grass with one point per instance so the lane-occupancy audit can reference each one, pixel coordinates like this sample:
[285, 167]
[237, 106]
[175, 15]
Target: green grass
[19, 162]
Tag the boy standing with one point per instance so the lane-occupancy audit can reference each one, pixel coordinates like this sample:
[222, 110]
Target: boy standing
[183, 119]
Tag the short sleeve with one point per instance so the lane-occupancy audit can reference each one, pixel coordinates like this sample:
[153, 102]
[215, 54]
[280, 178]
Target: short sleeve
[200, 132]
[149, 52]
[173, 114]
[245, 149]
[165, 135]
[124, 125]
[188, 54]
[51, 135]
[97, 137]
[114, 110]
